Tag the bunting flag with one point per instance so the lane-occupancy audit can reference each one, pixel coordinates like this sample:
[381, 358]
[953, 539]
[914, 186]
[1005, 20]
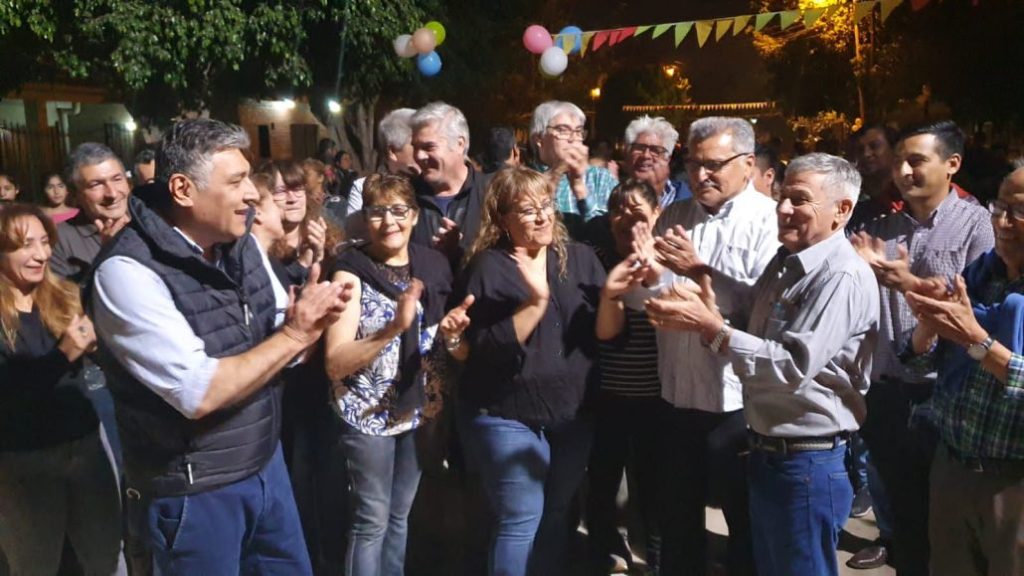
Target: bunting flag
[585, 42]
[811, 15]
[862, 9]
[787, 18]
[614, 38]
[599, 39]
[722, 27]
[762, 19]
[660, 29]
[682, 29]
[703, 31]
[887, 7]
[739, 24]
[641, 29]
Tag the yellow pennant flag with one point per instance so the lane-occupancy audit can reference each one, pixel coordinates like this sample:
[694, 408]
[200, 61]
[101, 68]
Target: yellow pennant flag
[811, 15]
[640, 30]
[682, 29]
[787, 18]
[862, 9]
[739, 24]
[762, 19]
[722, 27]
[703, 31]
[660, 29]
[584, 42]
[567, 42]
[888, 6]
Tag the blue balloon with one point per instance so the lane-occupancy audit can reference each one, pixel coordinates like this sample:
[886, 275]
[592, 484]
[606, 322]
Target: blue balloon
[577, 38]
[429, 64]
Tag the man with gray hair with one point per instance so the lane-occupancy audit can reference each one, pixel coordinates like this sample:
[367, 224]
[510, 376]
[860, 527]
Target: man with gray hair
[649, 146]
[449, 190]
[184, 312]
[728, 229]
[557, 133]
[801, 345]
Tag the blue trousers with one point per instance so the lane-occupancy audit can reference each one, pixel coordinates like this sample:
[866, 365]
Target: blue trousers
[530, 477]
[799, 503]
[249, 527]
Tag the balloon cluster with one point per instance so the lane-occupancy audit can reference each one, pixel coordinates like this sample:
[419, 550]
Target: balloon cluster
[421, 44]
[553, 58]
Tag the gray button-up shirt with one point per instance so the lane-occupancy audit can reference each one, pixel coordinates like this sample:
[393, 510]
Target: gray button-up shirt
[77, 245]
[805, 358]
[954, 235]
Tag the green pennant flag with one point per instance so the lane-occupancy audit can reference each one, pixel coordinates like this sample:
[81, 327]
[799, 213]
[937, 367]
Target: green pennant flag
[682, 29]
[787, 18]
[762, 19]
[811, 15]
[660, 29]
[703, 31]
[739, 24]
[862, 9]
[888, 6]
[584, 42]
[640, 30]
[721, 27]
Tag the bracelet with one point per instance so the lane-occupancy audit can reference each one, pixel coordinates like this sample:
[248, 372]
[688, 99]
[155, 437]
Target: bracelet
[452, 344]
[716, 344]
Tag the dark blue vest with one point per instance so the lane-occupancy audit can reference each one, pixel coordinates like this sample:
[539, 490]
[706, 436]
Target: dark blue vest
[231, 309]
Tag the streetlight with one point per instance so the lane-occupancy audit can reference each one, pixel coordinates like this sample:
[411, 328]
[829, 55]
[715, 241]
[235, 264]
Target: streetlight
[595, 95]
[334, 106]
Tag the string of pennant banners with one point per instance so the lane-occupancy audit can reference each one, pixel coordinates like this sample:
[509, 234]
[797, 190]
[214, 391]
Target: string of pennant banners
[594, 40]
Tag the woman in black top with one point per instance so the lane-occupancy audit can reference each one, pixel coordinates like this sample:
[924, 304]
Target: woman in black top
[55, 477]
[531, 361]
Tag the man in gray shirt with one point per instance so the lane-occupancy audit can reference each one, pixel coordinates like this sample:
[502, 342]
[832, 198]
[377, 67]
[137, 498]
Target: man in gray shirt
[803, 360]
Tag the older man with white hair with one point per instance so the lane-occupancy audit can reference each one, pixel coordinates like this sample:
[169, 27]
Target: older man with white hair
[557, 132]
[802, 348]
[649, 146]
[728, 228]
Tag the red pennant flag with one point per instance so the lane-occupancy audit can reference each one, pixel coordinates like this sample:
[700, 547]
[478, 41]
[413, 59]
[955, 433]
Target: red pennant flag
[918, 4]
[615, 37]
[627, 32]
[599, 39]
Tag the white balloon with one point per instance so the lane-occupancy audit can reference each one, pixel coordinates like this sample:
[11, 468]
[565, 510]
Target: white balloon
[403, 46]
[553, 61]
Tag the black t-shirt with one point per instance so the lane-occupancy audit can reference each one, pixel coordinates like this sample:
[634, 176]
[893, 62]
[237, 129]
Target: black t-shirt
[42, 402]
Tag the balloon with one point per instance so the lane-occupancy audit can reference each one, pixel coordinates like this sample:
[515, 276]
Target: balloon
[403, 46]
[429, 64]
[438, 30]
[553, 61]
[537, 39]
[424, 40]
[572, 34]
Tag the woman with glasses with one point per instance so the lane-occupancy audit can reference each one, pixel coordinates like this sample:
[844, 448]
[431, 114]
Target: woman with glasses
[385, 371]
[306, 234]
[531, 361]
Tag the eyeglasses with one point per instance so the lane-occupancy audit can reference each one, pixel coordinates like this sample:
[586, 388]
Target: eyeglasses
[285, 192]
[566, 132]
[998, 209]
[376, 213]
[711, 166]
[527, 214]
[641, 149]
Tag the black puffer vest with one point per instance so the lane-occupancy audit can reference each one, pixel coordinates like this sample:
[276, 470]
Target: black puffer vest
[231, 309]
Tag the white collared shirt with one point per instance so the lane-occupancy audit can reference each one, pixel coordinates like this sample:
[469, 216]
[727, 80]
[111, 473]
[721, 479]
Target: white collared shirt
[737, 243]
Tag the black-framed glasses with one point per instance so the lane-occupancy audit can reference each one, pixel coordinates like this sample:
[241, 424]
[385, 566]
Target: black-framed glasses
[531, 212]
[566, 132]
[399, 211]
[710, 166]
[998, 209]
[641, 149]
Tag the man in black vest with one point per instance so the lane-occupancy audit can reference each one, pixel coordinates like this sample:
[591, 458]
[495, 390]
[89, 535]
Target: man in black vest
[184, 310]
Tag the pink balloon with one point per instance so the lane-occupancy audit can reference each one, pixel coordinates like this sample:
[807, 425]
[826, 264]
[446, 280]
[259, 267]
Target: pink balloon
[537, 39]
[424, 40]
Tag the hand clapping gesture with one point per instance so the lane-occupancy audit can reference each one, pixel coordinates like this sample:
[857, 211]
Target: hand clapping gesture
[319, 305]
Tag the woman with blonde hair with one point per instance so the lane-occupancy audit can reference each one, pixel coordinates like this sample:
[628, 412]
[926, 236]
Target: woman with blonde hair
[531, 361]
[55, 477]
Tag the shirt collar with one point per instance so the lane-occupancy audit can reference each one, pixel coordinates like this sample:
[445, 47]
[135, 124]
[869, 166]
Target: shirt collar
[810, 258]
[196, 248]
[937, 214]
[732, 203]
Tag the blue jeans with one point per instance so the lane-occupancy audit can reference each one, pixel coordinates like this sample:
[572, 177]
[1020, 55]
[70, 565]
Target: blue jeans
[799, 503]
[384, 473]
[248, 527]
[530, 477]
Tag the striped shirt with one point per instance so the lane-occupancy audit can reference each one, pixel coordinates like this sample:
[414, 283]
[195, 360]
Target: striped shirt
[629, 362]
[599, 186]
[955, 234]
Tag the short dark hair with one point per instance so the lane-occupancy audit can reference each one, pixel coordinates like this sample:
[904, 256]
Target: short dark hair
[631, 186]
[500, 143]
[768, 156]
[890, 133]
[949, 136]
[145, 156]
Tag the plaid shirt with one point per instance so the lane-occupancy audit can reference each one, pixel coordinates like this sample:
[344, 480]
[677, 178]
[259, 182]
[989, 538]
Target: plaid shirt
[599, 186]
[982, 417]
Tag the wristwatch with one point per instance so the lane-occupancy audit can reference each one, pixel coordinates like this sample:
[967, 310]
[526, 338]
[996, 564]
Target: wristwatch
[979, 350]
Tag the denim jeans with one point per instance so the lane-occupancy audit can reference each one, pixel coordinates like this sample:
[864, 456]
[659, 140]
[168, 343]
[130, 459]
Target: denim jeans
[248, 527]
[799, 503]
[384, 474]
[530, 477]
[65, 489]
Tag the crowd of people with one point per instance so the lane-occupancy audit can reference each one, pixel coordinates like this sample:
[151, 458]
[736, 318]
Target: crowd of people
[234, 368]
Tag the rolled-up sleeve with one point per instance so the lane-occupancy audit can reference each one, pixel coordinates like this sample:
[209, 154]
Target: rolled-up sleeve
[138, 323]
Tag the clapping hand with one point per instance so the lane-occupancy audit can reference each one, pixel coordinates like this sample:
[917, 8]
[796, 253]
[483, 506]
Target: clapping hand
[675, 251]
[456, 320]
[319, 305]
[312, 249]
[951, 318]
